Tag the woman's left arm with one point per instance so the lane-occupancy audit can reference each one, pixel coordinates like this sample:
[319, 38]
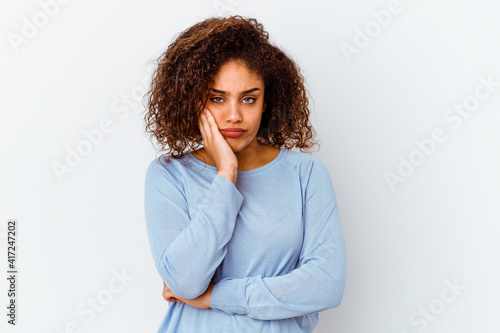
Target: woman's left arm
[318, 282]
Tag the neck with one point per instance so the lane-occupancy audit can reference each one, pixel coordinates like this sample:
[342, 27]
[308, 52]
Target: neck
[248, 159]
[250, 156]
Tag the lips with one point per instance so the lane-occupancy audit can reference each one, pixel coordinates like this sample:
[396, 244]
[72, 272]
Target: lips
[233, 132]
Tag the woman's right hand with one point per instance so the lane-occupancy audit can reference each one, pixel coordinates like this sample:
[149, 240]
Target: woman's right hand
[217, 147]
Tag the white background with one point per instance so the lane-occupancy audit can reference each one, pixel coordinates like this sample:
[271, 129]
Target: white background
[439, 224]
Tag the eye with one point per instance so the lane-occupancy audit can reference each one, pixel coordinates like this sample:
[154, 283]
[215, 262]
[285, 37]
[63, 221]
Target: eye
[217, 99]
[248, 100]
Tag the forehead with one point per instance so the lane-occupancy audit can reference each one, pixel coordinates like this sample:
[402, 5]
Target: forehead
[237, 74]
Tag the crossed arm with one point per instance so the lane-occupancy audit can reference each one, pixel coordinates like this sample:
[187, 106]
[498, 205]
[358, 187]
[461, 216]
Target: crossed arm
[315, 285]
[200, 302]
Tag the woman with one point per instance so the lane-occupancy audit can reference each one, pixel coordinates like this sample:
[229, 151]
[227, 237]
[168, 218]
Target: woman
[244, 232]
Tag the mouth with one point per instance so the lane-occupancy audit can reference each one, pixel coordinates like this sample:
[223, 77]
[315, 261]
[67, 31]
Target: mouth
[233, 132]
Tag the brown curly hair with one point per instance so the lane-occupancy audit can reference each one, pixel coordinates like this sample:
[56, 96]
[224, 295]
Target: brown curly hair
[185, 72]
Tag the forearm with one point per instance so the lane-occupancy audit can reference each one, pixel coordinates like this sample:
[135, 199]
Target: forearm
[188, 249]
[305, 290]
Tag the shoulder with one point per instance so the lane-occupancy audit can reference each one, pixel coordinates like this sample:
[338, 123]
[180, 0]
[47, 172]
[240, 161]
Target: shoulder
[311, 170]
[166, 169]
[305, 163]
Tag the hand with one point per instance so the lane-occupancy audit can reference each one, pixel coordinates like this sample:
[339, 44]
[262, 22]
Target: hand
[216, 145]
[200, 302]
[169, 296]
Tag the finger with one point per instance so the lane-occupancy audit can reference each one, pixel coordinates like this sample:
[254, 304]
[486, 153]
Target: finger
[211, 121]
[205, 126]
[168, 296]
[213, 128]
[202, 127]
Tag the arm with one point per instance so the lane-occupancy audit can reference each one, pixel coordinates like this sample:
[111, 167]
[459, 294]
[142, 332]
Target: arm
[319, 281]
[188, 249]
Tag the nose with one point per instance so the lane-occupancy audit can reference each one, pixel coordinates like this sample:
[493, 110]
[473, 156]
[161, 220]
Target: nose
[233, 114]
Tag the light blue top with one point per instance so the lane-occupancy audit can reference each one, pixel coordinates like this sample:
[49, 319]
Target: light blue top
[272, 243]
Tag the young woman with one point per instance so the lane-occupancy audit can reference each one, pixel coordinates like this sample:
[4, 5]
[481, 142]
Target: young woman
[244, 232]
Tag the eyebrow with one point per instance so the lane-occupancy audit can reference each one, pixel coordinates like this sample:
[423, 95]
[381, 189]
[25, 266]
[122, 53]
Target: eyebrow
[227, 93]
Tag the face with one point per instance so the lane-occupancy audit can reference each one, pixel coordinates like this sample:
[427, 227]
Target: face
[236, 100]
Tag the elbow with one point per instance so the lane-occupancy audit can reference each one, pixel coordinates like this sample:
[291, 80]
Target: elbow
[335, 292]
[182, 287]
[337, 286]
[187, 291]
[183, 284]
[333, 298]
[336, 299]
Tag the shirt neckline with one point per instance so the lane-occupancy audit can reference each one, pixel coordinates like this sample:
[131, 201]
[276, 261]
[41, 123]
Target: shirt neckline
[258, 170]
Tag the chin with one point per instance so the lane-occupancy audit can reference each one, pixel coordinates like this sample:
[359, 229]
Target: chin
[236, 149]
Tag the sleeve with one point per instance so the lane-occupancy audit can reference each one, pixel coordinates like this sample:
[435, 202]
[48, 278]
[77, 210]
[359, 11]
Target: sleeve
[317, 283]
[188, 249]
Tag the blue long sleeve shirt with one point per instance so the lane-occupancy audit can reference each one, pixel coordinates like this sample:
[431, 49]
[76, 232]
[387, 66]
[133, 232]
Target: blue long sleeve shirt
[272, 243]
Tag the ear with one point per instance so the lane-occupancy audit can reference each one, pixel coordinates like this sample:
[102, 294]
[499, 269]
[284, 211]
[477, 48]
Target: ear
[264, 107]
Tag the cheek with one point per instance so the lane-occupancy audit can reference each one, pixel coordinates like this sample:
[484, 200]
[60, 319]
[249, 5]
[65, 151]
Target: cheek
[257, 120]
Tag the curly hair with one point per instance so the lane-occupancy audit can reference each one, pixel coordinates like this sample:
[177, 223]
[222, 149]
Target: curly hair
[185, 72]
